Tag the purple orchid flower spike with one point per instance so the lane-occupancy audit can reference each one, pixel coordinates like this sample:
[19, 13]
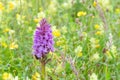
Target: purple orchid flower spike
[43, 40]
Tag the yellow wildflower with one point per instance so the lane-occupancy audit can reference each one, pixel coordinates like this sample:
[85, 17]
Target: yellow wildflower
[1, 6]
[13, 45]
[36, 20]
[100, 28]
[4, 44]
[97, 45]
[98, 33]
[94, 40]
[56, 33]
[20, 16]
[41, 15]
[79, 54]
[36, 76]
[94, 43]
[7, 76]
[6, 30]
[117, 10]
[95, 57]
[97, 26]
[105, 4]
[52, 6]
[61, 42]
[11, 5]
[108, 53]
[78, 51]
[94, 4]
[81, 13]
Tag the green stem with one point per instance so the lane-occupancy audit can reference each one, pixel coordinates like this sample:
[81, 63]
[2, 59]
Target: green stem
[43, 74]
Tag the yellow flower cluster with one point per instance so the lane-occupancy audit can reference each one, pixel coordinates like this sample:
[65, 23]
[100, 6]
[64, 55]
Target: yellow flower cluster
[94, 4]
[6, 30]
[97, 26]
[36, 76]
[11, 5]
[105, 4]
[40, 15]
[81, 13]
[3, 44]
[99, 30]
[20, 18]
[36, 20]
[6, 76]
[95, 57]
[13, 45]
[52, 6]
[9, 76]
[1, 6]
[56, 33]
[94, 43]
[61, 42]
[117, 10]
[78, 51]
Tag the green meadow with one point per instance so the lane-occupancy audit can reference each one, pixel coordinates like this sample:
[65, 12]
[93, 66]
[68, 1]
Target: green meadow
[86, 39]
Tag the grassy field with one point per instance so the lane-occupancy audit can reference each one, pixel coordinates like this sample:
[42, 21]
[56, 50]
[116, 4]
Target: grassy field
[86, 39]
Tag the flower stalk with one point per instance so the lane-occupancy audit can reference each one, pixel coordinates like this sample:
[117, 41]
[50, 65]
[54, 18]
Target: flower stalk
[43, 72]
